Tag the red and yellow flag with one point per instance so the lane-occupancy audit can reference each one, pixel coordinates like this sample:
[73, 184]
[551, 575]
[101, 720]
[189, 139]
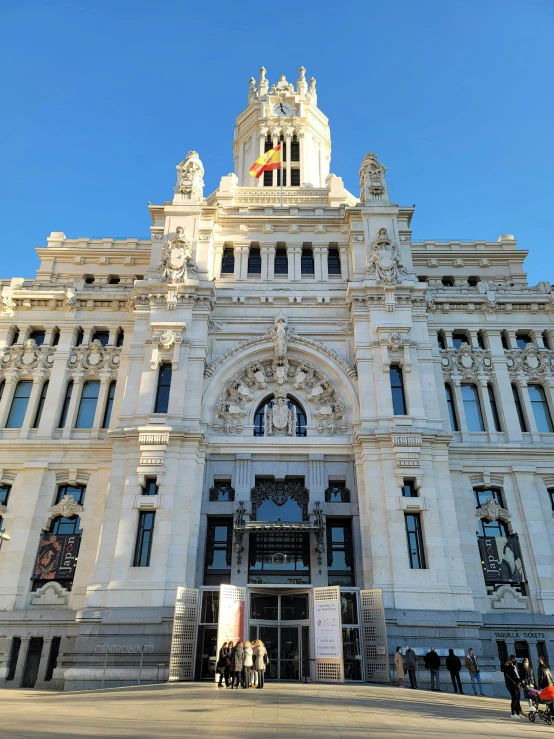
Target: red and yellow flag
[270, 160]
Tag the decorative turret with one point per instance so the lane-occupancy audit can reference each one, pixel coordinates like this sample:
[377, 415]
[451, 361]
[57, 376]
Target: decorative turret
[190, 182]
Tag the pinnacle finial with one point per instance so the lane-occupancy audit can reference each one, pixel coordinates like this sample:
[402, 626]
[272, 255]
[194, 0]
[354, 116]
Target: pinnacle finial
[302, 72]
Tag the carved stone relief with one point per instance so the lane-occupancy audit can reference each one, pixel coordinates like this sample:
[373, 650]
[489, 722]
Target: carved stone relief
[279, 493]
[373, 187]
[176, 262]
[530, 362]
[67, 507]
[95, 357]
[28, 357]
[190, 174]
[279, 419]
[466, 362]
[383, 262]
[492, 511]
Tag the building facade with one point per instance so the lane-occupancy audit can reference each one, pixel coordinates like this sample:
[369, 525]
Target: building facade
[280, 398]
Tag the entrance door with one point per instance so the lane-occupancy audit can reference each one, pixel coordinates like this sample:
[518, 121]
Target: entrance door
[32, 662]
[285, 646]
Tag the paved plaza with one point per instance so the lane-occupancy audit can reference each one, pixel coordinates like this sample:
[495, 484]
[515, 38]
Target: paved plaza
[192, 710]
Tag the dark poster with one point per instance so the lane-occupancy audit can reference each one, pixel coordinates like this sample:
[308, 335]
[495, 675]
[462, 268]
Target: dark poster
[57, 557]
[501, 558]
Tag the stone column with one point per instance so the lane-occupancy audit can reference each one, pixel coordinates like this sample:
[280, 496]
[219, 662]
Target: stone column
[528, 409]
[504, 398]
[7, 398]
[243, 483]
[21, 660]
[218, 257]
[101, 403]
[343, 255]
[484, 399]
[302, 145]
[241, 260]
[316, 486]
[267, 252]
[44, 657]
[275, 139]
[260, 180]
[294, 254]
[32, 406]
[321, 272]
[78, 383]
[457, 390]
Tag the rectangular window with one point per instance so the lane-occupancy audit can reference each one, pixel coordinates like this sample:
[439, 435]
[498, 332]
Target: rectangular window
[459, 338]
[284, 171]
[397, 389]
[19, 404]
[307, 261]
[65, 406]
[38, 337]
[523, 339]
[550, 495]
[340, 552]
[145, 535]
[541, 411]
[408, 489]
[489, 528]
[61, 524]
[40, 406]
[414, 537]
[333, 261]
[494, 409]
[87, 405]
[222, 491]
[295, 177]
[5, 491]
[52, 658]
[451, 408]
[254, 261]
[14, 654]
[228, 262]
[295, 149]
[164, 385]
[150, 486]
[102, 336]
[519, 409]
[219, 551]
[472, 408]
[109, 406]
[281, 261]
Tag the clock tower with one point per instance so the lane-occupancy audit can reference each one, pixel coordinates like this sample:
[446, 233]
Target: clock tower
[280, 113]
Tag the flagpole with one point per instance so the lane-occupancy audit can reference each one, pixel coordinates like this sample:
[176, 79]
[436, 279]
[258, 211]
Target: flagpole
[282, 149]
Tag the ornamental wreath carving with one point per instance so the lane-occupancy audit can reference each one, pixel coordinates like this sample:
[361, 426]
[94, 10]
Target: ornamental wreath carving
[95, 357]
[466, 362]
[530, 363]
[28, 357]
[176, 261]
[372, 185]
[383, 261]
[190, 174]
[313, 385]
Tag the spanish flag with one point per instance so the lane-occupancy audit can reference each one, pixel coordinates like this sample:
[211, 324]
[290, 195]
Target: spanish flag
[270, 160]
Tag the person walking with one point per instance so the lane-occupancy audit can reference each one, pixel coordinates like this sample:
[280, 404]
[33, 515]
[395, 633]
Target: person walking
[432, 663]
[512, 679]
[260, 662]
[453, 665]
[247, 664]
[228, 678]
[527, 675]
[474, 671]
[222, 663]
[399, 666]
[410, 661]
[544, 679]
[237, 663]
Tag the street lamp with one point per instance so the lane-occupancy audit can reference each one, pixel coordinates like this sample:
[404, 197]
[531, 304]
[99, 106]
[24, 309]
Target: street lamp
[3, 537]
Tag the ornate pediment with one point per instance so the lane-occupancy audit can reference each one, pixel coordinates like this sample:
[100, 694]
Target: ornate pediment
[67, 507]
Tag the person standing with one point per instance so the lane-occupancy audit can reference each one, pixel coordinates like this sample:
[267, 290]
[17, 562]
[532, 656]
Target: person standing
[474, 671]
[544, 679]
[237, 663]
[528, 679]
[247, 664]
[453, 665]
[228, 678]
[512, 679]
[221, 663]
[410, 660]
[433, 664]
[399, 666]
[260, 662]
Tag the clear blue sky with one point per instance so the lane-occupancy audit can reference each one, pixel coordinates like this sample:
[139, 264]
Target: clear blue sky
[101, 100]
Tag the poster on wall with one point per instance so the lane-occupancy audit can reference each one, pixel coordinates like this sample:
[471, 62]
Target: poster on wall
[501, 559]
[328, 641]
[57, 557]
[230, 625]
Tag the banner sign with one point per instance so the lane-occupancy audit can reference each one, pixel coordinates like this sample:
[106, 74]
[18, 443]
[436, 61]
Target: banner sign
[231, 614]
[501, 559]
[328, 641]
[57, 557]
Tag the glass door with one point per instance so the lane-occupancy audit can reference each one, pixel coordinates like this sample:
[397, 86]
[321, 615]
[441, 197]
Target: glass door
[286, 647]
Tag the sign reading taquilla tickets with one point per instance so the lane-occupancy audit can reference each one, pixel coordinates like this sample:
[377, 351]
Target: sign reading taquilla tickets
[328, 642]
[57, 557]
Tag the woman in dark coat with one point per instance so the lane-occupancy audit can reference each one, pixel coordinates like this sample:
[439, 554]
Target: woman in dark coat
[228, 681]
[512, 679]
[544, 679]
[453, 665]
[222, 663]
[237, 663]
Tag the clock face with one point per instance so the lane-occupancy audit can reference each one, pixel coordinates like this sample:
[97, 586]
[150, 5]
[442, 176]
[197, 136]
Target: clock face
[282, 109]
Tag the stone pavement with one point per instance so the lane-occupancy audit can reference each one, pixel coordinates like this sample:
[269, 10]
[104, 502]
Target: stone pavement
[287, 711]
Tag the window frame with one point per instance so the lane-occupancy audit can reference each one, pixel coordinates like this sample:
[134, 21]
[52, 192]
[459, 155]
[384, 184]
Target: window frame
[13, 406]
[544, 405]
[158, 404]
[254, 261]
[65, 405]
[227, 261]
[144, 539]
[494, 408]
[333, 262]
[108, 408]
[519, 409]
[416, 555]
[41, 402]
[400, 393]
[478, 405]
[452, 410]
[89, 401]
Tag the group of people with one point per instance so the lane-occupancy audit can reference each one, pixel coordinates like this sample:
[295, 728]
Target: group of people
[242, 664]
[407, 663]
[522, 675]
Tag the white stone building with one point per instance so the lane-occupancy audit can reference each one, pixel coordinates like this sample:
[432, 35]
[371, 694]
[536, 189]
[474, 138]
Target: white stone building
[279, 398]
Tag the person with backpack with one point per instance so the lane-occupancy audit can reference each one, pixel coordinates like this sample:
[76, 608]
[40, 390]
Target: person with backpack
[453, 665]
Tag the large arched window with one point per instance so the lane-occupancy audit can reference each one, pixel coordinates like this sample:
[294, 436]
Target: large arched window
[259, 425]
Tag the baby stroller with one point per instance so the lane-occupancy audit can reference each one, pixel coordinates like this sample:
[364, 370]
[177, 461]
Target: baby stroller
[545, 714]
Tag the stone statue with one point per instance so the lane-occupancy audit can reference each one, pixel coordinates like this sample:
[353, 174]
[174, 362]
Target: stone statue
[190, 182]
[176, 261]
[383, 261]
[373, 187]
[279, 419]
[280, 335]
